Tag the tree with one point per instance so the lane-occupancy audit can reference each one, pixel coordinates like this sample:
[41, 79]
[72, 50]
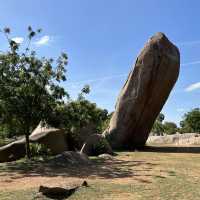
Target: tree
[158, 127]
[191, 121]
[160, 117]
[77, 114]
[29, 85]
[170, 128]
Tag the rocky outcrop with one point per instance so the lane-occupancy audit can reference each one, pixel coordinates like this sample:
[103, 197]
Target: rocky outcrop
[144, 93]
[12, 151]
[96, 145]
[53, 139]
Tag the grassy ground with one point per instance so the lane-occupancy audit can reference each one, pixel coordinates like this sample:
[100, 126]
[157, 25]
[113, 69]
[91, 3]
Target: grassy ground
[129, 176]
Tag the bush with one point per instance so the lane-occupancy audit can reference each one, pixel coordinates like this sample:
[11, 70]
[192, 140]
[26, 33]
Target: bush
[170, 128]
[100, 147]
[39, 150]
[191, 121]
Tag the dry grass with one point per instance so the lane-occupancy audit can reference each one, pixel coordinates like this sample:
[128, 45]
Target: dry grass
[131, 175]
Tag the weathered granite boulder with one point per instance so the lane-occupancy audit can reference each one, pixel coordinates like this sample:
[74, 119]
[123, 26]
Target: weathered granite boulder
[12, 151]
[54, 139]
[144, 93]
[95, 145]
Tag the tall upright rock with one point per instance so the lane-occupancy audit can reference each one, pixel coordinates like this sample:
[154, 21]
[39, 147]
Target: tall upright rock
[144, 93]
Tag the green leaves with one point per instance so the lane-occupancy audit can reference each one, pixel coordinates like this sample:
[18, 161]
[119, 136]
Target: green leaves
[24, 79]
[191, 121]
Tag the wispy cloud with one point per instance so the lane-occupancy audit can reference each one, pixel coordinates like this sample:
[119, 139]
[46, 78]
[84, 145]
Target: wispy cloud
[98, 79]
[191, 63]
[99, 83]
[180, 109]
[189, 43]
[18, 40]
[192, 87]
[44, 40]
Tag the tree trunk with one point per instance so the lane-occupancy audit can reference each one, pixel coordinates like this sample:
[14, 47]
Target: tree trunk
[28, 151]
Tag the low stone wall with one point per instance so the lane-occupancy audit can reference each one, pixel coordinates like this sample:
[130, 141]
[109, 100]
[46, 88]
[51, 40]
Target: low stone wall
[176, 139]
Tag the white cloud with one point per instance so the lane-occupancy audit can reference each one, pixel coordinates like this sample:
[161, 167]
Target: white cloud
[192, 87]
[180, 109]
[188, 43]
[18, 40]
[100, 79]
[44, 40]
[191, 63]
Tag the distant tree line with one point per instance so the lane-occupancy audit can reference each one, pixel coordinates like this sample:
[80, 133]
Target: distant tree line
[189, 124]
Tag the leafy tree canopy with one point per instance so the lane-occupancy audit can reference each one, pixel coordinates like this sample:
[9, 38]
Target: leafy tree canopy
[29, 85]
[158, 128]
[191, 121]
[170, 128]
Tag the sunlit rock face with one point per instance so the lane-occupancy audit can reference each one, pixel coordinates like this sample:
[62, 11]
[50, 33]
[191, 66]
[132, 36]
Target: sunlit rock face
[145, 92]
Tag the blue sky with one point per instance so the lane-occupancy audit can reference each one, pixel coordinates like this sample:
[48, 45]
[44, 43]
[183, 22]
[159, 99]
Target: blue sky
[103, 38]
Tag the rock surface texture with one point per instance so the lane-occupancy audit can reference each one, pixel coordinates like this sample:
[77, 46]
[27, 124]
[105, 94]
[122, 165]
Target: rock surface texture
[12, 151]
[54, 139]
[144, 93]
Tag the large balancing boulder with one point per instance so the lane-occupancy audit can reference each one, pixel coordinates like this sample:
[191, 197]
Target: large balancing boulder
[144, 93]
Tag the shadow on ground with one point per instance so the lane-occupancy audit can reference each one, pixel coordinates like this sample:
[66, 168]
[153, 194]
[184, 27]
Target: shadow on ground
[105, 169]
[171, 149]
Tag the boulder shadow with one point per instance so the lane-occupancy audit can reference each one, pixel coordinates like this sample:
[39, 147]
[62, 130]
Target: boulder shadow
[99, 168]
[171, 149]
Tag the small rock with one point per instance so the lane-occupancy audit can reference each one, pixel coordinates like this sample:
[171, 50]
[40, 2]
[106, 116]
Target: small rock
[105, 156]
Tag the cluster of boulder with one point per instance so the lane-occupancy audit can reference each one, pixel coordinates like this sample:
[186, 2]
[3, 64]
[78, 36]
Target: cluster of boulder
[140, 101]
[56, 141]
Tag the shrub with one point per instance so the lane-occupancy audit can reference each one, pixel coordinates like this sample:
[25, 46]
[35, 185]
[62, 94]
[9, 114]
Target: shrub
[39, 150]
